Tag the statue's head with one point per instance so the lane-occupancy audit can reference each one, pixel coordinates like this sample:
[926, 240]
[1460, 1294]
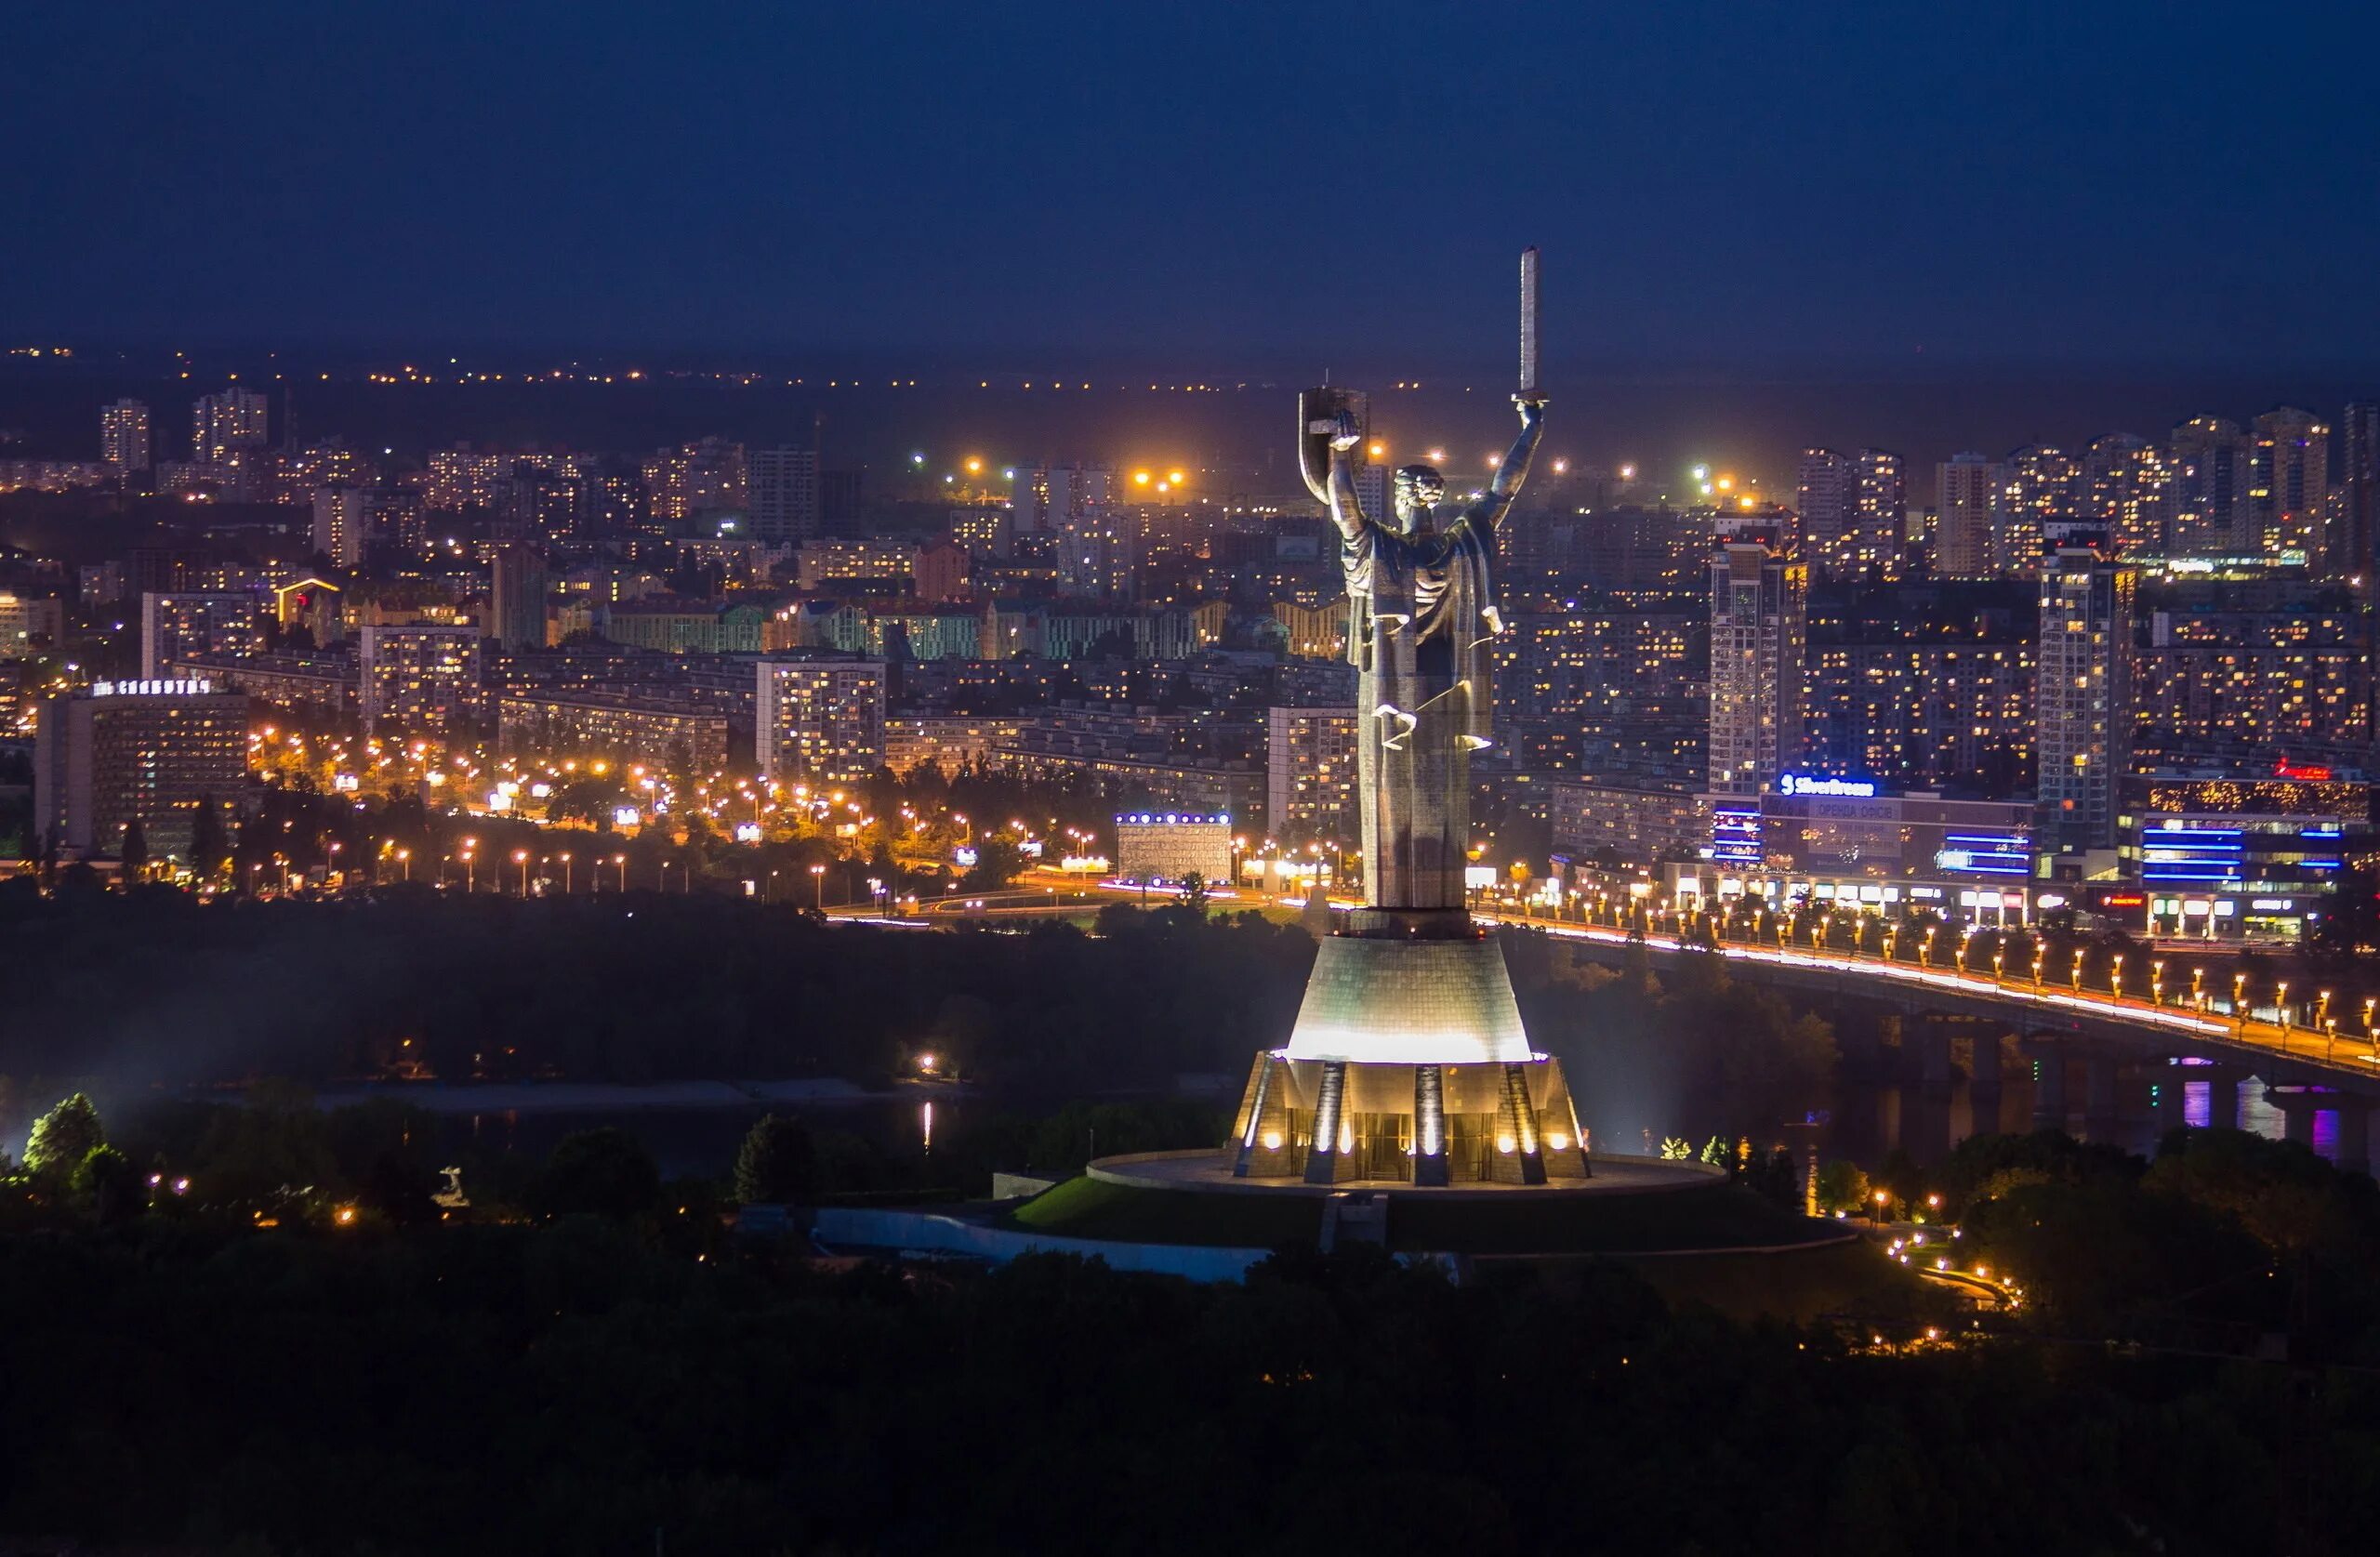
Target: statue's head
[1420, 488]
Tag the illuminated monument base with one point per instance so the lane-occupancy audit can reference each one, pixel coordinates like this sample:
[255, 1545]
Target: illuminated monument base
[1408, 1064]
[1335, 1122]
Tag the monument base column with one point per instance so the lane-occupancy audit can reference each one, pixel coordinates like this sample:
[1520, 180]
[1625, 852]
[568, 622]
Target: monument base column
[1329, 1157]
[1519, 1158]
[1430, 1169]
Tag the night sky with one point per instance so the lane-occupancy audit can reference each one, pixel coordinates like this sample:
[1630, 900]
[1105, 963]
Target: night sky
[1798, 188]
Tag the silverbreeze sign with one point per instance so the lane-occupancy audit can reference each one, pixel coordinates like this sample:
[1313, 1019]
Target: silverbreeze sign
[1805, 784]
[191, 688]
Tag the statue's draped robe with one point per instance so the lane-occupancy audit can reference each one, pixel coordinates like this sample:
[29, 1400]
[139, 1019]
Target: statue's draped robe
[1421, 615]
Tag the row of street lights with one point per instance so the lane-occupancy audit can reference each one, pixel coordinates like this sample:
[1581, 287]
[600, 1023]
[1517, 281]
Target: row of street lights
[1686, 919]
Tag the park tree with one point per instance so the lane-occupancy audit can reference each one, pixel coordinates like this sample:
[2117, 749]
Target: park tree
[64, 1136]
[107, 1181]
[1841, 1186]
[998, 863]
[134, 852]
[601, 1172]
[209, 846]
[1193, 892]
[777, 1164]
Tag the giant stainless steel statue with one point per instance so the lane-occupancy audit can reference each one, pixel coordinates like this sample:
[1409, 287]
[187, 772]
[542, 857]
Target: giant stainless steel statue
[1421, 615]
[1409, 1062]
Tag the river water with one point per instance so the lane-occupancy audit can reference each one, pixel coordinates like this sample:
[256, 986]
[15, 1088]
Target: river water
[1862, 1120]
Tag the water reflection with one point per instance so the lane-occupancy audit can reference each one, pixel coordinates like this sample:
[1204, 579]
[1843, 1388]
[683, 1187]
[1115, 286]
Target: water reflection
[2133, 1109]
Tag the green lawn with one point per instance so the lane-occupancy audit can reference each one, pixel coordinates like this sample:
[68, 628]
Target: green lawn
[1094, 1209]
[1720, 1216]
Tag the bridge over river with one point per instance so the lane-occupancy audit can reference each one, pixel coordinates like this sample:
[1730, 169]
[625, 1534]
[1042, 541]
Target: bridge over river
[2304, 1071]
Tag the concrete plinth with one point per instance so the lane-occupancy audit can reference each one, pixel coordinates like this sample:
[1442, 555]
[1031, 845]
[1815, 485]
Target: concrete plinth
[2099, 1088]
[1983, 1063]
[2172, 1097]
[2355, 1135]
[2223, 1096]
[2049, 1086]
[1932, 1042]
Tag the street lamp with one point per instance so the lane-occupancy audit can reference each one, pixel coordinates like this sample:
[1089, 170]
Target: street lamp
[818, 886]
[564, 857]
[1925, 954]
[404, 859]
[2280, 1011]
[2239, 998]
[2040, 956]
[2078, 970]
[2198, 988]
[622, 860]
[2156, 983]
[2115, 975]
[521, 858]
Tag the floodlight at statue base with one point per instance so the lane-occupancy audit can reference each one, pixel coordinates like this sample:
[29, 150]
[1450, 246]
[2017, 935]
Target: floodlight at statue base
[1429, 1126]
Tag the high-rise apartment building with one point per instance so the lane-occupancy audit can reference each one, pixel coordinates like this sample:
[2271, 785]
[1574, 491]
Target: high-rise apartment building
[2240, 676]
[783, 485]
[228, 427]
[1097, 551]
[2351, 547]
[2127, 490]
[2289, 483]
[2083, 687]
[419, 676]
[819, 721]
[1826, 492]
[1969, 493]
[692, 480]
[1310, 775]
[2212, 515]
[175, 624]
[516, 598]
[30, 625]
[1882, 521]
[1046, 498]
[1758, 614]
[2042, 489]
[342, 524]
[546, 505]
[1925, 685]
[153, 749]
[125, 446]
[984, 532]
[464, 478]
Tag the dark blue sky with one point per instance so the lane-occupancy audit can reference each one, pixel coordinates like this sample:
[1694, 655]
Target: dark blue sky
[1786, 188]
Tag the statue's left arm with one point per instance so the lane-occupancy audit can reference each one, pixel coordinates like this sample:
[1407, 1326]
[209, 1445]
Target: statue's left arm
[1490, 509]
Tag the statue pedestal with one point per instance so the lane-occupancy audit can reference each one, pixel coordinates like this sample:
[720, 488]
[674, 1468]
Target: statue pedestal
[1408, 1064]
